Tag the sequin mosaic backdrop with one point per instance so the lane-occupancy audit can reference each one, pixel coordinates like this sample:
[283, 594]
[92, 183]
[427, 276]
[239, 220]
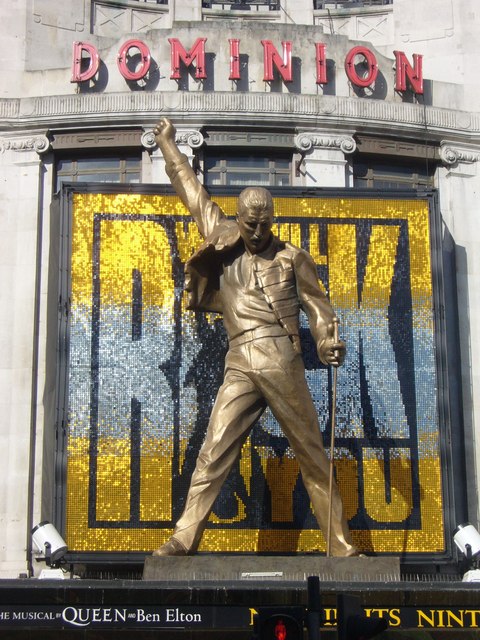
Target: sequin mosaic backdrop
[143, 373]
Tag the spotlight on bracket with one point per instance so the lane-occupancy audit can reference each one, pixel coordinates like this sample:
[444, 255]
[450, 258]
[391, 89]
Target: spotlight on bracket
[49, 542]
[467, 540]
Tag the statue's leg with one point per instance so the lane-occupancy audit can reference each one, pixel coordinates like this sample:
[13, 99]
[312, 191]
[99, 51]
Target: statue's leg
[300, 424]
[237, 406]
[282, 380]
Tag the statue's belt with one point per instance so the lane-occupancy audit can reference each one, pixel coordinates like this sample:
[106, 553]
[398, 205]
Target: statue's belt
[269, 331]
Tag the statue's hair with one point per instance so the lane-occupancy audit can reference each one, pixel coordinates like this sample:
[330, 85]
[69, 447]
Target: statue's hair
[257, 198]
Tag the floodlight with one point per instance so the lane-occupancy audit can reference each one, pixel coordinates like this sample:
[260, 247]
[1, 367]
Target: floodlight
[49, 542]
[471, 576]
[467, 539]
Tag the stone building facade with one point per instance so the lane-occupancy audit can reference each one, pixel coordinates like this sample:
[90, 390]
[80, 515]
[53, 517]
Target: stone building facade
[317, 131]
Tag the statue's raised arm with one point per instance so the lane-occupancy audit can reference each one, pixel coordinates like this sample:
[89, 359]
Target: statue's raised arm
[207, 214]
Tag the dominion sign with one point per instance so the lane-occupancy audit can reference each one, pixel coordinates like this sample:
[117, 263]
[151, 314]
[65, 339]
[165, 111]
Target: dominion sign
[141, 373]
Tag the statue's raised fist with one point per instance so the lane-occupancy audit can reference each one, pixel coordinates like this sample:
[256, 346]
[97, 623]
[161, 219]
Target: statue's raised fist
[164, 130]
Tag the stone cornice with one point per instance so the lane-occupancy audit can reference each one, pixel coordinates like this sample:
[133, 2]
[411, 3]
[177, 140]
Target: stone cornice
[354, 114]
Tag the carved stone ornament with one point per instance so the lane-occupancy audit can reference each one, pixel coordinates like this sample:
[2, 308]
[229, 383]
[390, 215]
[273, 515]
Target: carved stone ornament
[451, 155]
[40, 144]
[306, 141]
[192, 137]
[148, 140]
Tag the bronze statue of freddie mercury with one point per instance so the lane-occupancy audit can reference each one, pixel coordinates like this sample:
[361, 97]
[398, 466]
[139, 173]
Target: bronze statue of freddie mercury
[259, 284]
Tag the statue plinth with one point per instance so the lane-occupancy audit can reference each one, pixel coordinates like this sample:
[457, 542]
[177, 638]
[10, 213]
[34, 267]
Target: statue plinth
[243, 568]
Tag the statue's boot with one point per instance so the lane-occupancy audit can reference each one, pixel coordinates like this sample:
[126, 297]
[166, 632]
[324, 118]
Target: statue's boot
[171, 548]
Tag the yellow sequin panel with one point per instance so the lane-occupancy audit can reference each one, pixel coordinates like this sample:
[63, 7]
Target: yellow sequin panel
[288, 232]
[342, 268]
[380, 267]
[128, 245]
[400, 503]
[113, 479]
[188, 238]
[347, 477]
[156, 480]
[87, 206]
[125, 248]
[241, 514]
[246, 465]
[429, 538]
[281, 475]
[314, 244]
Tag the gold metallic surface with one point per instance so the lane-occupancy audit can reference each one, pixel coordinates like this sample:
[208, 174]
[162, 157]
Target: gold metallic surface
[259, 283]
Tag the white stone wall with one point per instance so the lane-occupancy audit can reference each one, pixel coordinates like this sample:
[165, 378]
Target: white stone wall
[459, 186]
[37, 96]
[21, 213]
[451, 48]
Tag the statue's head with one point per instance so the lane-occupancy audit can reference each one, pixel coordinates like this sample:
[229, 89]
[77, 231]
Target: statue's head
[255, 218]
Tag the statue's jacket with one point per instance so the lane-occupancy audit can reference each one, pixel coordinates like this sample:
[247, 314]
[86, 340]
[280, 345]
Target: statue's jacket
[289, 282]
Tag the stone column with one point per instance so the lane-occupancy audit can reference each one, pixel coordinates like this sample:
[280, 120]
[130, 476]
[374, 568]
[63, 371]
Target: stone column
[188, 10]
[459, 186]
[324, 162]
[300, 11]
[21, 208]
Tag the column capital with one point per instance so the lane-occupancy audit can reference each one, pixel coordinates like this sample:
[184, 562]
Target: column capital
[452, 154]
[307, 140]
[148, 140]
[38, 143]
[191, 137]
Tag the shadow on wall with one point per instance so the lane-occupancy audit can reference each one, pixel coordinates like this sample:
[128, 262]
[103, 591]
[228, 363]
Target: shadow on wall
[98, 84]
[459, 381]
[425, 99]
[295, 86]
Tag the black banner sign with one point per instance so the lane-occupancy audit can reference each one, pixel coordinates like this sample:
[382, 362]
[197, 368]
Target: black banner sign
[217, 617]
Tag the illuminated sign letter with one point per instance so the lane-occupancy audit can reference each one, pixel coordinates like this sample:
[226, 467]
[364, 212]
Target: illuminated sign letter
[404, 70]
[197, 52]
[272, 57]
[77, 74]
[370, 77]
[321, 61]
[234, 59]
[145, 60]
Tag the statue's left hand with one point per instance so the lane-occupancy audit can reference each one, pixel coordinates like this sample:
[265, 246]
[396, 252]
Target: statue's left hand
[334, 352]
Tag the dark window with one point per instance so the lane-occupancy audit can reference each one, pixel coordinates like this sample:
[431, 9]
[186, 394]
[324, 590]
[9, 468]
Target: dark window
[242, 5]
[388, 173]
[123, 169]
[146, 1]
[249, 168]
[348, 4]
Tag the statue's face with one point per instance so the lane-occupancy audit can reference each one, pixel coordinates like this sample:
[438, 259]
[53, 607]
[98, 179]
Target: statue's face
[255, 228]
